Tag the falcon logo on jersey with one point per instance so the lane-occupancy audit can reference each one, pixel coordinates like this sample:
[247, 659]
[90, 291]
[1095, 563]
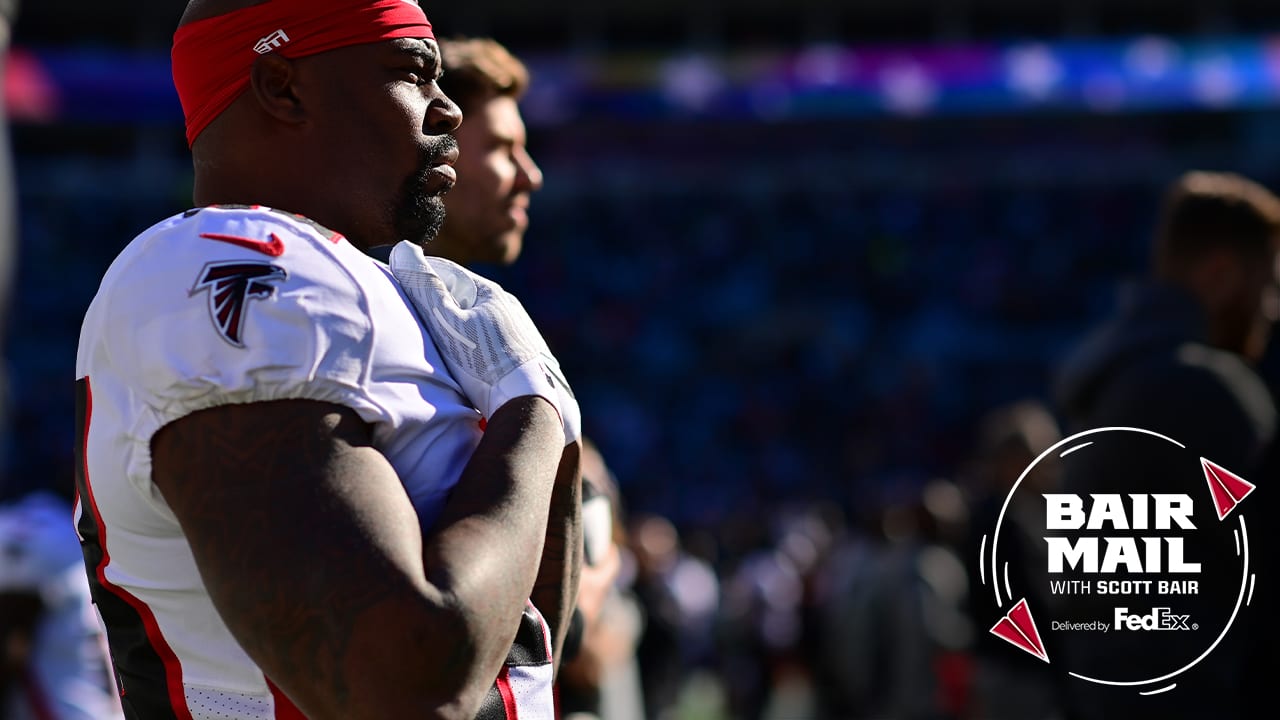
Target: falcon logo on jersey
[231, 285]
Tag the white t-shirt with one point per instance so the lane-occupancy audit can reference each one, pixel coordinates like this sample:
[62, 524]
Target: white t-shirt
[235, 305]
[67, 676]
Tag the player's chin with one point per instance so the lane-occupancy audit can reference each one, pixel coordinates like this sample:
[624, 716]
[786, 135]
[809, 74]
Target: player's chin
[508, 246]
[420, 221]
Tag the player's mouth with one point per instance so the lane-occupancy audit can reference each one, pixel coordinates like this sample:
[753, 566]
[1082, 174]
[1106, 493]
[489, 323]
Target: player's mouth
[519, 214]
[440, 176]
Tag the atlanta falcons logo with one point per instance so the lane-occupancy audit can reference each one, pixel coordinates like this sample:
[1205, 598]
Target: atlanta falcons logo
[231, 285]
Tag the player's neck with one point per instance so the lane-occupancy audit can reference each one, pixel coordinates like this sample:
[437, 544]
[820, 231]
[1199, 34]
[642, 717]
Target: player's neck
[445, 245]
[214, 190]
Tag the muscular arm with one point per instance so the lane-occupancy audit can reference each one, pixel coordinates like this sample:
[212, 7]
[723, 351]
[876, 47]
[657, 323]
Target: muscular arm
[312, 553]
[556, 591]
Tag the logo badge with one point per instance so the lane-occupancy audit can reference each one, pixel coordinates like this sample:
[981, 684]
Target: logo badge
[274, 41]
[1131, 548]
[230, 286]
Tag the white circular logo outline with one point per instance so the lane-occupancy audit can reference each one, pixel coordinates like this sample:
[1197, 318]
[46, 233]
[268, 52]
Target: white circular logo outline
[1244, 577]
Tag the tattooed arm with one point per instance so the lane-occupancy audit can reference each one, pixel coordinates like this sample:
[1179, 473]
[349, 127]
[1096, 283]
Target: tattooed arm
[312, 553]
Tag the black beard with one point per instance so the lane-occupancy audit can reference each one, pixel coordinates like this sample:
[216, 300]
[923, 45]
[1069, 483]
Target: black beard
[418, 217]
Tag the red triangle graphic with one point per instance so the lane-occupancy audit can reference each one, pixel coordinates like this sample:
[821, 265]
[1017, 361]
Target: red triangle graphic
[1222, 501]
[1019, 629]
[1227, 488]
[1005, 629]
[1021, 616]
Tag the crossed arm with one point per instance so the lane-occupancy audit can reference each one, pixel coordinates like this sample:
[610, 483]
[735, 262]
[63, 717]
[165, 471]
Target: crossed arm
[312, 553]
[555, 593]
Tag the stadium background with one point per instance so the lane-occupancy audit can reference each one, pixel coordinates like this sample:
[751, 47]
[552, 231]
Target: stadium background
[790, 253]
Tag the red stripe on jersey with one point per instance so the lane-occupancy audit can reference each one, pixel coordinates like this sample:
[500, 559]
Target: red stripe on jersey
[172, 666]
[508, 698]
[285, 709]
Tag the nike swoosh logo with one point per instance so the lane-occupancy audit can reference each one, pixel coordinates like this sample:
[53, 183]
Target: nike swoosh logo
[273, 247]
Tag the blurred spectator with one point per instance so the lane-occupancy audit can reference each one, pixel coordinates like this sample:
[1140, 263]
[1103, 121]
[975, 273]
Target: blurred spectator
[680, 596]
[768, 614]
[1009, 439]
[1177, 358]
[898, 639]
[846, 658]
[1197, 324]
[601, 681]
[54, 663]
[761, 626]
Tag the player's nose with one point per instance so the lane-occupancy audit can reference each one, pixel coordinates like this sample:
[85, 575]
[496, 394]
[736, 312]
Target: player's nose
[443, 115]
[529, 175]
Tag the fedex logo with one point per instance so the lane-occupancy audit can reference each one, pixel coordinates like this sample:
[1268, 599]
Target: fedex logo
[1160, 618]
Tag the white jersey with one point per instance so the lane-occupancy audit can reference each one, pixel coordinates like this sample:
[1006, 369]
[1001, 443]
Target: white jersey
[67, 676]
[228, 305]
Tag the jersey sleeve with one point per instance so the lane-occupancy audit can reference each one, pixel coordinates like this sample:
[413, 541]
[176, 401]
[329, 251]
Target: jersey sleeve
[226, 307]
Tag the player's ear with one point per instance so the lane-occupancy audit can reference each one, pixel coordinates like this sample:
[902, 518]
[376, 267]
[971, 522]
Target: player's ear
[272, 81]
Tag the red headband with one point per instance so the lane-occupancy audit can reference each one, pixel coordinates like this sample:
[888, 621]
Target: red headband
[212, 57]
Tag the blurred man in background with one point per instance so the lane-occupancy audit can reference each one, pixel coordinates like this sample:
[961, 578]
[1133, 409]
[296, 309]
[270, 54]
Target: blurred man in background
[53, 661]
[1198, 324]
[601, 680]
[485, 222]
[1178, 359]
[1008, 440]
[488, 208]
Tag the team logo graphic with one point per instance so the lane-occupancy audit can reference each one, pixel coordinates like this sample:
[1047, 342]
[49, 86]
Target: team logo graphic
[1120, 557]
[230, 286]
[274, 41]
